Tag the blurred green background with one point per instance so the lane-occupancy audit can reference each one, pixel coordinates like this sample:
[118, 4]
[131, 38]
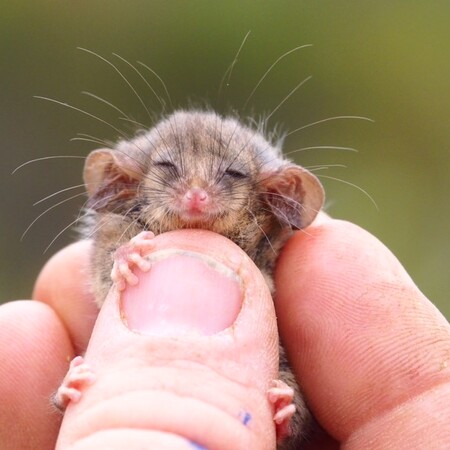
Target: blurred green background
[387, 60]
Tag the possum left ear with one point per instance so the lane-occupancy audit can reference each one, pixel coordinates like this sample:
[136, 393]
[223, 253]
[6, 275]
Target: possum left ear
[111, 178]
[294, 194]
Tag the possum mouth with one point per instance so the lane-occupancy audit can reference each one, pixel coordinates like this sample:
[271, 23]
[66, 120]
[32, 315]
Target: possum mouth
[202, 214]
[207, 220]
[197, 217]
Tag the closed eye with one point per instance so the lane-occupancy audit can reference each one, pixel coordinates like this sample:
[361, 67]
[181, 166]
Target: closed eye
[236, 174]
[166, 164]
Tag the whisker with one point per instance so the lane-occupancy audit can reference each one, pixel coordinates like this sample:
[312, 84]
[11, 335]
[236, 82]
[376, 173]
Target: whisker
[135, 122]
[121, 75]
[262, 231]
[269, 69]
[231, 66]
[289, 199]
[88, 138]
[100, 120]
[106, 102]
[289, 222]
[160, 79]
[57, 193]
[127, 228]
[321, 147]
[46, 158]
[329, 119]
[100, 224]
[63, 230]
[143, 78]
[67, 105]
[353, 185]
[49, 209]
[286, 98]
[324, 167]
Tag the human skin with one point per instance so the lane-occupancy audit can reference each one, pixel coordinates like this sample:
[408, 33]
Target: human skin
[372, 354]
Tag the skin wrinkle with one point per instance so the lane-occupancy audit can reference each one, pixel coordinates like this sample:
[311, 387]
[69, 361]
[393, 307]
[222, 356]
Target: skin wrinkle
[152, 414]
[130, 438]
[369, 342]
[26, 410]
[384, 428]
[173, 367]
[370, 353]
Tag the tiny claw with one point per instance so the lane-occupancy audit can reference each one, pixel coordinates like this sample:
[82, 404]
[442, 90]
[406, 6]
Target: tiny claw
[121, 285]
[281, 396]
[141, 262]
[284, 414]
[78, 375]
[143, 235]
[77, 361]
[129, 256]
[71, 394]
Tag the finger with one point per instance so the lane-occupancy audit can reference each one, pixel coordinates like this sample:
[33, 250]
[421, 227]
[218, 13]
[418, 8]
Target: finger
[188, 353]
[64, 284]
[362, 338]
[34, 346]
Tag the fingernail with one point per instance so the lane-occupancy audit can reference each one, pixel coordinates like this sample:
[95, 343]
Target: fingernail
[183, 293]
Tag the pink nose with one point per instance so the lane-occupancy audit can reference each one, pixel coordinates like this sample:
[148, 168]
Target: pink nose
[196, 198]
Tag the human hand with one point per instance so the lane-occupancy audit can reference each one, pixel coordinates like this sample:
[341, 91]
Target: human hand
[348, 327]
[371, 352]
[170, 377]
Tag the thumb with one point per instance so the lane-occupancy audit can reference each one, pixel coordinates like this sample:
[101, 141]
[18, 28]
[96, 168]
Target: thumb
[183, 359]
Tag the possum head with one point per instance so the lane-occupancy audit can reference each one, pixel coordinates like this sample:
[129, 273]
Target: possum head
[199, 170]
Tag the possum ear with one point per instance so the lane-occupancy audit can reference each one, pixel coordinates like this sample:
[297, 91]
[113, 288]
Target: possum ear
[111, 178]
[294, 194]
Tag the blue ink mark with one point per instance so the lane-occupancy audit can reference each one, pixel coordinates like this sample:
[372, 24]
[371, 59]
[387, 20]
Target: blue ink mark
[197, 446]
[245, 417]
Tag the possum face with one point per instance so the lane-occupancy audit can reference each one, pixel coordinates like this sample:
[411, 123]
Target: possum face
[197, 170]
[201, 183]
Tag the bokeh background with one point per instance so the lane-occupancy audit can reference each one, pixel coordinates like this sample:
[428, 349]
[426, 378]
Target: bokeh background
[386, 60]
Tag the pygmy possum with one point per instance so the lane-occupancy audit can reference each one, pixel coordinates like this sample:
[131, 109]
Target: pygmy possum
[197, 169]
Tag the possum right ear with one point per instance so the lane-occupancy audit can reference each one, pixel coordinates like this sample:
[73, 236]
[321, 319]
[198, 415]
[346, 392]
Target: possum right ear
[111, 178]
[294, 194]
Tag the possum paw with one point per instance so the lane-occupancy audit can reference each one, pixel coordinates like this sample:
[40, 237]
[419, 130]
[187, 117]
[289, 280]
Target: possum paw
[79, 375]
[281, 396]
[129, 256]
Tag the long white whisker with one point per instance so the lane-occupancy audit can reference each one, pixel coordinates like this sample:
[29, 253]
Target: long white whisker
[287, 97]
[63, 230]
[45, 158]
[57, 193]
[135, 122]
[269, 69]
[97, 227]
[321, 147]
[88, 138]
[127, 228]
[231, 66]
[106, 102]
[160, 79]
[49, 209]
[324, 167]
[329, 119]
[288, 221]
[142, 77]
[121, 75]
[353, 185]
[262, 231]
[67, 105]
